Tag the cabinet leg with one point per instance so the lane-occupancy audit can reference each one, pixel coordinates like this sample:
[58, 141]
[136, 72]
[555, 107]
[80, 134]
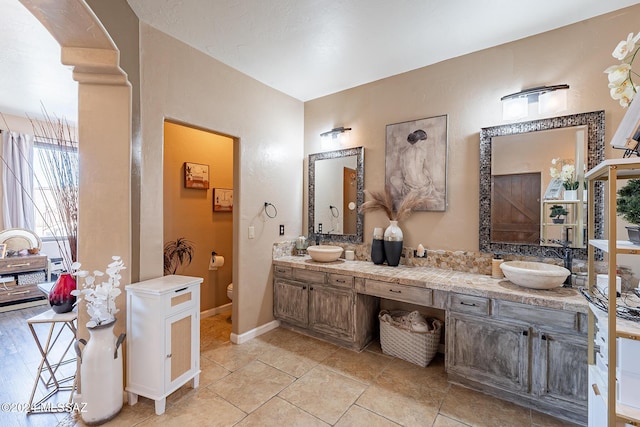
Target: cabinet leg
[132, 398]
[160, 404]
[195, 381]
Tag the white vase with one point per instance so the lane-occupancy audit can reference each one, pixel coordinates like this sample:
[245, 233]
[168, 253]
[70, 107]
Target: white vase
[101, 390]
[393, 243]
[570, 194]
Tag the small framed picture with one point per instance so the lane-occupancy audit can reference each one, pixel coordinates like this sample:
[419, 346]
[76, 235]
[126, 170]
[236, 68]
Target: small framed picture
[3, 250]
[222, 200]
[196, 176]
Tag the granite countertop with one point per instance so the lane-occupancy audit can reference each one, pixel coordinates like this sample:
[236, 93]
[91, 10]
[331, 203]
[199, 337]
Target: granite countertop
[446, 280]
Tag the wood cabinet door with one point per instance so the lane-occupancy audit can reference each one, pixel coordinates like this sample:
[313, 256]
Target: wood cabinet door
[331, 311]
[560, 368]
[489, 351]
[291, 302]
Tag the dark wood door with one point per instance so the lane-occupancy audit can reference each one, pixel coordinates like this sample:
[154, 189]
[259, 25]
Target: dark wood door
[515, 208]
[349, 188]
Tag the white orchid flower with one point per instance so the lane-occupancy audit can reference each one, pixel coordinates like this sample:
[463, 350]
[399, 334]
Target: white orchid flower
[626, 47]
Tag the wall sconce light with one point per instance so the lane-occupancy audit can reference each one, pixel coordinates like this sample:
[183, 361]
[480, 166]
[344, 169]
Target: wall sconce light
[339, 135]
[550, 99]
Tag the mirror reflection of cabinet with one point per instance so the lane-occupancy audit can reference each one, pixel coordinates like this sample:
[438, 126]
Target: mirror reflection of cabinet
[336, 192]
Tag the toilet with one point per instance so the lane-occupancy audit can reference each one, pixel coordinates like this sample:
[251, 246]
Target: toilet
[230, 291]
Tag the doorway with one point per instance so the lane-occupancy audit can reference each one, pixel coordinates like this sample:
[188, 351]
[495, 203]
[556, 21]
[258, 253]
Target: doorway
[191, 211]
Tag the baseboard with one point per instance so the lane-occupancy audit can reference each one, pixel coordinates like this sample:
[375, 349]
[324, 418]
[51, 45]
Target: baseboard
[242, 338]
[216, 310]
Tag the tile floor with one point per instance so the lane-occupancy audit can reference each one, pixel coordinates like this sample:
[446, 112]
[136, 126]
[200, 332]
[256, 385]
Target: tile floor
[279, 379]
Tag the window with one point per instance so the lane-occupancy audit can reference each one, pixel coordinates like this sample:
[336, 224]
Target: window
[55, 195]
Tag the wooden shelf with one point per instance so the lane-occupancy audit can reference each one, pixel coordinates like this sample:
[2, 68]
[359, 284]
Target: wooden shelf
[625, 169]
[622, 246]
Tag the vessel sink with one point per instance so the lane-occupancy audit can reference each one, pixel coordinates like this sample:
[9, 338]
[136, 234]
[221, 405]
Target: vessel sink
[324, 253]
[535, 275]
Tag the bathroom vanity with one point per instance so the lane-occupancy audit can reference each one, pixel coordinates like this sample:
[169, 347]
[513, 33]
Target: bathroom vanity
[522, 345]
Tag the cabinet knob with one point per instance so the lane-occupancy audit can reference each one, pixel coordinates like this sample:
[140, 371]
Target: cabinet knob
[525, 333]
[473, 304]
[394, 291]
[304, 288]
[169, 356]
[543, 337]
[311, 288]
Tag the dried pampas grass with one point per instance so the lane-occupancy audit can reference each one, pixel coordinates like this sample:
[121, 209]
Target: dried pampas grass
[382, 200]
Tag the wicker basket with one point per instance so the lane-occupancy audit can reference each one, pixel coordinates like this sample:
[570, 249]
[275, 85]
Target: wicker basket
[398, 340]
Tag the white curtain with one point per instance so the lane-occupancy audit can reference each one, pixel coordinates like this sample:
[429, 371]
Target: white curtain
[17, 179]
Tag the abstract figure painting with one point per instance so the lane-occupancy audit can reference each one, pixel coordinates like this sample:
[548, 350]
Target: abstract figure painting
[416, 161]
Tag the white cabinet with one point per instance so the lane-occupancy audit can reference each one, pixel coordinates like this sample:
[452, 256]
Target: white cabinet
[163, 337]
[607, 401]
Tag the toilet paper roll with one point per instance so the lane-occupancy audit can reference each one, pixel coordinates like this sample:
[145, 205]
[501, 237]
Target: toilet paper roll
[215, 262]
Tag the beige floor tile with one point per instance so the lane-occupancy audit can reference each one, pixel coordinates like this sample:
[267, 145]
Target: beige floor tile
[357, 416]
[204, 408]
[295, 355]
[211, 372]
[538, 419]
[253, 385]
[481, 410]
[442, 421]
[407, 394]
[323, 393]
[364, 366]
[235, 356]
[278, 412]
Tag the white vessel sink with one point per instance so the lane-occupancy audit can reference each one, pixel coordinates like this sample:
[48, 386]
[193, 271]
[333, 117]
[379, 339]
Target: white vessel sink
[324, 253]
[535, 275]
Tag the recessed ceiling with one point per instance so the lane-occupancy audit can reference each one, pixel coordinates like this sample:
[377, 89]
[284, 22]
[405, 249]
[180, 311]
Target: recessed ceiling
[304, 48]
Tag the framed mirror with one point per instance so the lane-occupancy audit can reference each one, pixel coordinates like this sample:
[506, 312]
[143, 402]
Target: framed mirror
[336, 192]
[515, 160]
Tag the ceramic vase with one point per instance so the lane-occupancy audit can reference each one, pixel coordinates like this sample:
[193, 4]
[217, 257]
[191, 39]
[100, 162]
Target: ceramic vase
[393, 243]
[377, 246]
[60, 297]
[571, 194]
[101, 386]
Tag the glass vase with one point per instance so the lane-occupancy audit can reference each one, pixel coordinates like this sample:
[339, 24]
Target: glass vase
[393, 243]
[60, 297]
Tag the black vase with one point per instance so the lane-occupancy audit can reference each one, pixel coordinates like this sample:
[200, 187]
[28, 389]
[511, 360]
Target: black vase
[377, 251]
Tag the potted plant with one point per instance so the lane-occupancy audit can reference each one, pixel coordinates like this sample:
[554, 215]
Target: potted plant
[176, 253]
[557, 211]
[629, 208]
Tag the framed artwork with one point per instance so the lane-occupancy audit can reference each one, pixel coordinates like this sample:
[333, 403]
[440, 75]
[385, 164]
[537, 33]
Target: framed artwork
[222, 200]
[196, 176]
[3, 250]
[416, 160]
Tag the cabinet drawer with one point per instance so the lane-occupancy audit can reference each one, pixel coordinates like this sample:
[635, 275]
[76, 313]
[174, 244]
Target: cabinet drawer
[20, 264]
[469, 304]
[180, 299]
[397, 292]
[309, 276]
[536, 315]
[341, 280]
[284, 272]
[17, 293]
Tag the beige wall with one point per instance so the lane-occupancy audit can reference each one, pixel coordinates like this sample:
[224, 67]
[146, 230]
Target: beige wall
[468, 89]
[189, 212]
[184, 85]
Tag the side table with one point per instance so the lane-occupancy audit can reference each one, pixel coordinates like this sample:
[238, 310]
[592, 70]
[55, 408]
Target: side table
[47, 371]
